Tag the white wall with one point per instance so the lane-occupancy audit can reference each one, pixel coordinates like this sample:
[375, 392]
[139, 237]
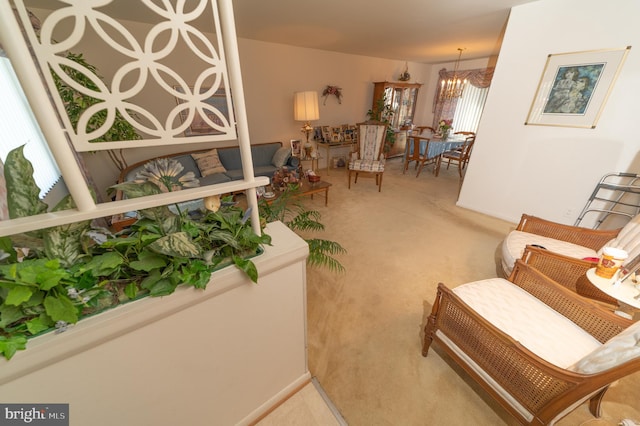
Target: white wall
[551, 171]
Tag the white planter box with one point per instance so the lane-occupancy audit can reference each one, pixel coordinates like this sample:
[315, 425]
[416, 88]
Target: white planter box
[221, 356]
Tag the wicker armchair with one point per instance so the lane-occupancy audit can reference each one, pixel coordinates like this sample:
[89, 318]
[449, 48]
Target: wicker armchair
[570, 241]
[538, 371]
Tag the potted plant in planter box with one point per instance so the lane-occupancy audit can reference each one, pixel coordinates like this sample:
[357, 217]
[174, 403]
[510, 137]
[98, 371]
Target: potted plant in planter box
[56, 276]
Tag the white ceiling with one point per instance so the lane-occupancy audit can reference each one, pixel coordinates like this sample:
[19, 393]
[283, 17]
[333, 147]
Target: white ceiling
[426, 31]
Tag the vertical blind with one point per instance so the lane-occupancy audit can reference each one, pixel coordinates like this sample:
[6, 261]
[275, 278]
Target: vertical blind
[469, 108]
[19, 127]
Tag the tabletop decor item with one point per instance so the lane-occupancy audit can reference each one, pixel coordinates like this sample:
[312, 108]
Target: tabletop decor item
[444, 127]
[284, 178]
[574, 87]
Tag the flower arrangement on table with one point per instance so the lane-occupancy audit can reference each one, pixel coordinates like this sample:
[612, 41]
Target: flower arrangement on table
[332, 90]
[444, 127]
[285, 178]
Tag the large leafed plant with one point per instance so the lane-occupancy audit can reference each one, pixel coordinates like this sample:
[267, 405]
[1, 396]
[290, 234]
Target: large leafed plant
[54, 277]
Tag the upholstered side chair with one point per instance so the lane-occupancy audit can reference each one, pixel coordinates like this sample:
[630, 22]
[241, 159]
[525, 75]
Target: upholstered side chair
[369, 159]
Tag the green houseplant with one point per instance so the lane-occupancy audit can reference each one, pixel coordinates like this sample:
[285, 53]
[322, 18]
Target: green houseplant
[56, 276]
[301, 220]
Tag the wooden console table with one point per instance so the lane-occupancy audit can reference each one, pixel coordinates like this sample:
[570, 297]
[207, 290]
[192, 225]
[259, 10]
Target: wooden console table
[329, 145]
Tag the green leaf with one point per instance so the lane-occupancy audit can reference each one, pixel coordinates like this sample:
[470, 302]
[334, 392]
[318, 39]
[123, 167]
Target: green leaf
[42, 323]
[6, 245]
[247, 266]
[61, 308]
[23, 195]
[9, 346]
[18, 295]
[9, 315]
[163, 288]
[102, 265]
[148, 261]
[150, 280]
[177, 244]
[131, 290]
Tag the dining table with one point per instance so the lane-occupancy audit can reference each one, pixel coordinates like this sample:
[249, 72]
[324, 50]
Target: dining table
[433, 146]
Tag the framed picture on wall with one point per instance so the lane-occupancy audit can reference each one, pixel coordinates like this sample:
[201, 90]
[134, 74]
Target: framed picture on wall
[574, 87]
[216, 112]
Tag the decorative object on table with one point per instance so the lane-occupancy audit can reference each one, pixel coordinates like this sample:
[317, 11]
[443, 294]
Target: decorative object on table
[610, 261]
[574, 87]
[405, 76]
[332, 90]
[453, 87]
[312, 176]
[284, 178]
[295, 147]
[444, 127]
[305, 108]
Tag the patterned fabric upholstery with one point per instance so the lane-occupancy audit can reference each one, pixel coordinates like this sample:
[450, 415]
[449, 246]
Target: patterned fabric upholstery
[369, 158]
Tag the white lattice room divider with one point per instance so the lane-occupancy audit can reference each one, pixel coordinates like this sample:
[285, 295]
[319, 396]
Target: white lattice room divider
[198, 39]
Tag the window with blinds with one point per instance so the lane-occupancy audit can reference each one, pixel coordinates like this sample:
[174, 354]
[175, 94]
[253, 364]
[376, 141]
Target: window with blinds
[18, 127]
[469, 108]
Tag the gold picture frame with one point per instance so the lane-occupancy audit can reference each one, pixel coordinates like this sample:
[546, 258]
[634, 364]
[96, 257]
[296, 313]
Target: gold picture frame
[574, 88]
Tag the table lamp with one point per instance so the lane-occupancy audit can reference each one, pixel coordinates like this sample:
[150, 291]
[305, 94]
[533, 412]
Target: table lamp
[305, 108]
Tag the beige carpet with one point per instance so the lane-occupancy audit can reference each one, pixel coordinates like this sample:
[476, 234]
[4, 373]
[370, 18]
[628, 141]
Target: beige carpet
[364, 328]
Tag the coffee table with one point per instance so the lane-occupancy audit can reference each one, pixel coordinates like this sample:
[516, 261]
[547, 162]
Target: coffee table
[305, 189]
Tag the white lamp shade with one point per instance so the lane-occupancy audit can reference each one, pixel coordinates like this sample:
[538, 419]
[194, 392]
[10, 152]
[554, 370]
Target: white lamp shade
[305, 106]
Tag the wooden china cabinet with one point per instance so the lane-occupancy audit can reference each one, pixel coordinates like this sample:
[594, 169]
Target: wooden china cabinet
[402, 98]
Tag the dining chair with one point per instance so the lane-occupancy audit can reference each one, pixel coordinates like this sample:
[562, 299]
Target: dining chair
[460, 156]
[369, 157]
[424, 130]
[414, 153]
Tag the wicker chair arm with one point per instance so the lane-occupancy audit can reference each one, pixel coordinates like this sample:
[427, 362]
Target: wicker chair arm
[601, 323]
[568, 272]
[591, 238]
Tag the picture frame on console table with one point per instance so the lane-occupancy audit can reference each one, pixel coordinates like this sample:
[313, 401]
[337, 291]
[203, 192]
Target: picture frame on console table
[574, 88]
[296, 147]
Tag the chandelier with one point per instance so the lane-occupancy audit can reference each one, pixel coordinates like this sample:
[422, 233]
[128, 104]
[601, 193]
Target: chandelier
[453, 87]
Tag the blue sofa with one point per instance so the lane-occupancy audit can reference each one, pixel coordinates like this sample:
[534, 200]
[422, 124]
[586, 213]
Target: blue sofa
[266, 158]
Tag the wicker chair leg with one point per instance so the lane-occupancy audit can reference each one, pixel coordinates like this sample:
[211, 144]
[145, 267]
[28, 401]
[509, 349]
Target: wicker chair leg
[430, 326]
[596, 401]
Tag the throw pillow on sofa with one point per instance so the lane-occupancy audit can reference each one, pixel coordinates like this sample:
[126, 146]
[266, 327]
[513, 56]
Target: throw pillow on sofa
[209, 162]
[281, 156]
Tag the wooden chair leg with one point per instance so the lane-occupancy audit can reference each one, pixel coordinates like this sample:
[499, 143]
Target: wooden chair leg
[349, 177]
[438, 163]
[379, 178]
[596, 401]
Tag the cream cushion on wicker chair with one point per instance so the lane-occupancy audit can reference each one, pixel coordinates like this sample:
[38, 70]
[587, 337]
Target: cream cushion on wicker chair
[514, 244]
[513, 248]
[535, 325]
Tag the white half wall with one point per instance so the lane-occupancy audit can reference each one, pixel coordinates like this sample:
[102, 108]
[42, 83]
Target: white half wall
[221, 356]
[551, 171]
